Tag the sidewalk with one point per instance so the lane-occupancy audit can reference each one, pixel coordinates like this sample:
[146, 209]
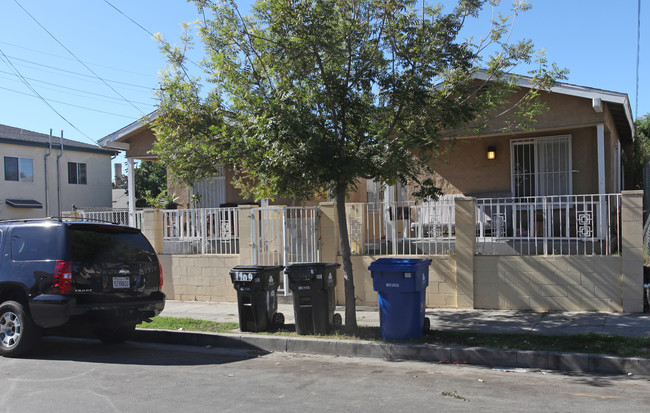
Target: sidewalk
[487, 321]
[482, 321]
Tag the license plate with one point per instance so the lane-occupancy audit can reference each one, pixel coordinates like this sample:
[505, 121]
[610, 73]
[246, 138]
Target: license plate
[121, 282]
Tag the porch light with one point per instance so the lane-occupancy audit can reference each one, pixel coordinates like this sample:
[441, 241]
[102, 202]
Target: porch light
[492, 152]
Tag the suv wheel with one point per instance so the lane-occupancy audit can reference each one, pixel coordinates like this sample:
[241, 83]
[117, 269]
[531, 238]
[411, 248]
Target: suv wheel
[18, 333]
[115, 334]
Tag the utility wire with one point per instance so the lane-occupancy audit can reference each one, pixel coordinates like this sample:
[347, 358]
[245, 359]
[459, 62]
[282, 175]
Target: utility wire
[11, 65]
[68, 58]
[73, 89]
[79, 60]
[76, 73]
[68, 104]
[638, 52]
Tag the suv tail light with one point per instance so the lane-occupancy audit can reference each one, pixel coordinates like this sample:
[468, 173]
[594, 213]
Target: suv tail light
[160, 277]
[63, 277]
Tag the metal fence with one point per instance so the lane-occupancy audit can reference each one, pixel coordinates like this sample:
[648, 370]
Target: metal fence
[407, 228]
[115, 216]
[201, 231]
[552, 225]
[284, 236]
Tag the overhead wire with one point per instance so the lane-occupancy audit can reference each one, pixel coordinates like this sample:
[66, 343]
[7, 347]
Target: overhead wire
[120, 102]
[68, 104]
[79, 60]
[29, 86]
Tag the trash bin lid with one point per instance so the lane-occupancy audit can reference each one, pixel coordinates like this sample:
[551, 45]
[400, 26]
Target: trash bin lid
[399, 264]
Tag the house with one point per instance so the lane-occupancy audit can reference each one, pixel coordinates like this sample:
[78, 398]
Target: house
[531, 219]
[44, 175]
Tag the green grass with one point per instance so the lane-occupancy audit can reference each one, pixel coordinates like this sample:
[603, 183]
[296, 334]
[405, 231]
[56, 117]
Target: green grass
[578, 343]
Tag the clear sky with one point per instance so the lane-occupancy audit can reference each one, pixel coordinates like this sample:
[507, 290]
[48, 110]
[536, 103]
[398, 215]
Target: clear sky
[595, 39]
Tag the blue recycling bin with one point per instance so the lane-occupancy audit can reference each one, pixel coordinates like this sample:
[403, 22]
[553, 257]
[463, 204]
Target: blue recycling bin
[401, 288]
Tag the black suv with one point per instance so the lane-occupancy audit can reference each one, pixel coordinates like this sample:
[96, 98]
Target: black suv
[95, 277]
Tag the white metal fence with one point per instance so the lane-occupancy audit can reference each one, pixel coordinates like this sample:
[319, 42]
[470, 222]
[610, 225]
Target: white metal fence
[552, 225]
[284, 236]
[201, 231]
[403, 227]
[116, 216]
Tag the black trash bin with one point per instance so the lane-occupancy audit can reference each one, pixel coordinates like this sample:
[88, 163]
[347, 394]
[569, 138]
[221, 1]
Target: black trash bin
[257, 297]
[314, 300]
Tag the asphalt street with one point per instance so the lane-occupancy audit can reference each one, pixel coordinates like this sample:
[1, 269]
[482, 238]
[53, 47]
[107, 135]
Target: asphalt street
[76, 375]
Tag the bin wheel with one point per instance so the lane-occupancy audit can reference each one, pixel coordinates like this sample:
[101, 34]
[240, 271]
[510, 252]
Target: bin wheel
[337, 320]
[427, 325]
[278, 320]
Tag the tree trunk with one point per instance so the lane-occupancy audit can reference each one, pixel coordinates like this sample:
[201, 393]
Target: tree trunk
[346, 252]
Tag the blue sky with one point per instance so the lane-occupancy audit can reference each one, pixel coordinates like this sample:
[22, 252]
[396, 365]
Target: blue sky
[595, 39]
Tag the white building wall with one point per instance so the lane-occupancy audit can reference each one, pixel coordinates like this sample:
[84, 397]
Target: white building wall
[95, 193]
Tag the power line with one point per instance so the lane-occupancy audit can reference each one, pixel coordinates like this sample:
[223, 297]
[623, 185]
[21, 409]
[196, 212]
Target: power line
[74, 89]
[638, 53]
[68, 58]
[79, 60]
[68, 104]
[11, 65]
[78, 74]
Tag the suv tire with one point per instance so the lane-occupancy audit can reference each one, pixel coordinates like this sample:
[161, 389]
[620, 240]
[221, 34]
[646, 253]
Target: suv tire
[18, 333]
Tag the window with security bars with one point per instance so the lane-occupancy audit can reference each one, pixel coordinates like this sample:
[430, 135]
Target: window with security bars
[541, 166]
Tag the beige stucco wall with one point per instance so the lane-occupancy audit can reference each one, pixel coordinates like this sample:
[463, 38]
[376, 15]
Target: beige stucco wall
[97, 192]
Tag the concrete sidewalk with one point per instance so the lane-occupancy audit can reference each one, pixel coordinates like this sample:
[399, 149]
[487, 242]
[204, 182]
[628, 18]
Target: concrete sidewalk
[489, 321]
[482, 321]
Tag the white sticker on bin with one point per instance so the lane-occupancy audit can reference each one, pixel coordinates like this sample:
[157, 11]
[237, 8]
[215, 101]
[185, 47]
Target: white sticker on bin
[407, 275]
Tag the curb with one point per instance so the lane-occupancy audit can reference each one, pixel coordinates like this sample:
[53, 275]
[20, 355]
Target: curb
[544, 360]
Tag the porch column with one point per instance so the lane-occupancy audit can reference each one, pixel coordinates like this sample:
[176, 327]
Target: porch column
[600, 143]
[247, 247]
[131, 187]
[632, 251]
[465, 250]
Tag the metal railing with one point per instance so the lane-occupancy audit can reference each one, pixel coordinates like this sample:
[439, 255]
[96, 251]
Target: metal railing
[284, 236]
[116, 216]
[201, 231]
[552, 225]
[405, 228]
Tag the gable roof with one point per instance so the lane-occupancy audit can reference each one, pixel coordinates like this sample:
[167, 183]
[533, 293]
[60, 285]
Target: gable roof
[115, 139]
[18, 136]
[619, 103]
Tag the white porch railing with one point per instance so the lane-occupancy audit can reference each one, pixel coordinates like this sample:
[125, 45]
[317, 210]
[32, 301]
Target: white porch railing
[116, 216]
[553, 225]
[403, 227]
[201, 231]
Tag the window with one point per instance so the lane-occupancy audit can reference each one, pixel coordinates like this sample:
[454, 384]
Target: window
[541, 166]
[76, 173]
[19, 169]
[34, 243]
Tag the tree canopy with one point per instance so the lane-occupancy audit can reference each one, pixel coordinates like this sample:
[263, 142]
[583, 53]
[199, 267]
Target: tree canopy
[310, 96]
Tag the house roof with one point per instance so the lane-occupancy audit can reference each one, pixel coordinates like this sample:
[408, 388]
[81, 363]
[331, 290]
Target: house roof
[619, 103]
[18, 136]
[121, 135]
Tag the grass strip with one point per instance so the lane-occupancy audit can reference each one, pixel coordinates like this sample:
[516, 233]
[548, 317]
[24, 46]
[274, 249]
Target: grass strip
[590, 343]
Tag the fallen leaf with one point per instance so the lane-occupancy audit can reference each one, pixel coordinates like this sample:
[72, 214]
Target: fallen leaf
[481, 380]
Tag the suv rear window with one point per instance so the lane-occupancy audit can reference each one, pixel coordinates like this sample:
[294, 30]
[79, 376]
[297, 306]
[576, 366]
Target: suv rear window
[105, 244]
[38, 243]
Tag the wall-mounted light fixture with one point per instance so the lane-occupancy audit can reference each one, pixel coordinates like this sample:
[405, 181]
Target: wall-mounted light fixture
[492, 152]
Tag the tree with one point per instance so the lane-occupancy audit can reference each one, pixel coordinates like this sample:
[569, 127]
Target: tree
[633, 163]
[309, 96]
[150, 183]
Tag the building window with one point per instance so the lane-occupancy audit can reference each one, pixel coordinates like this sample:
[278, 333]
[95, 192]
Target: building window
[76, 173]
[541, 166]
[19, 169]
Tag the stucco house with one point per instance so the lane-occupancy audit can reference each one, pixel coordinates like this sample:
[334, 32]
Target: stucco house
[44, 175]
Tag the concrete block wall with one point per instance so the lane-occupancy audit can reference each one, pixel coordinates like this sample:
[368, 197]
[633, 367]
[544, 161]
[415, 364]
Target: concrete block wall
[543, 283]
[464, 280]
[199, 277]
